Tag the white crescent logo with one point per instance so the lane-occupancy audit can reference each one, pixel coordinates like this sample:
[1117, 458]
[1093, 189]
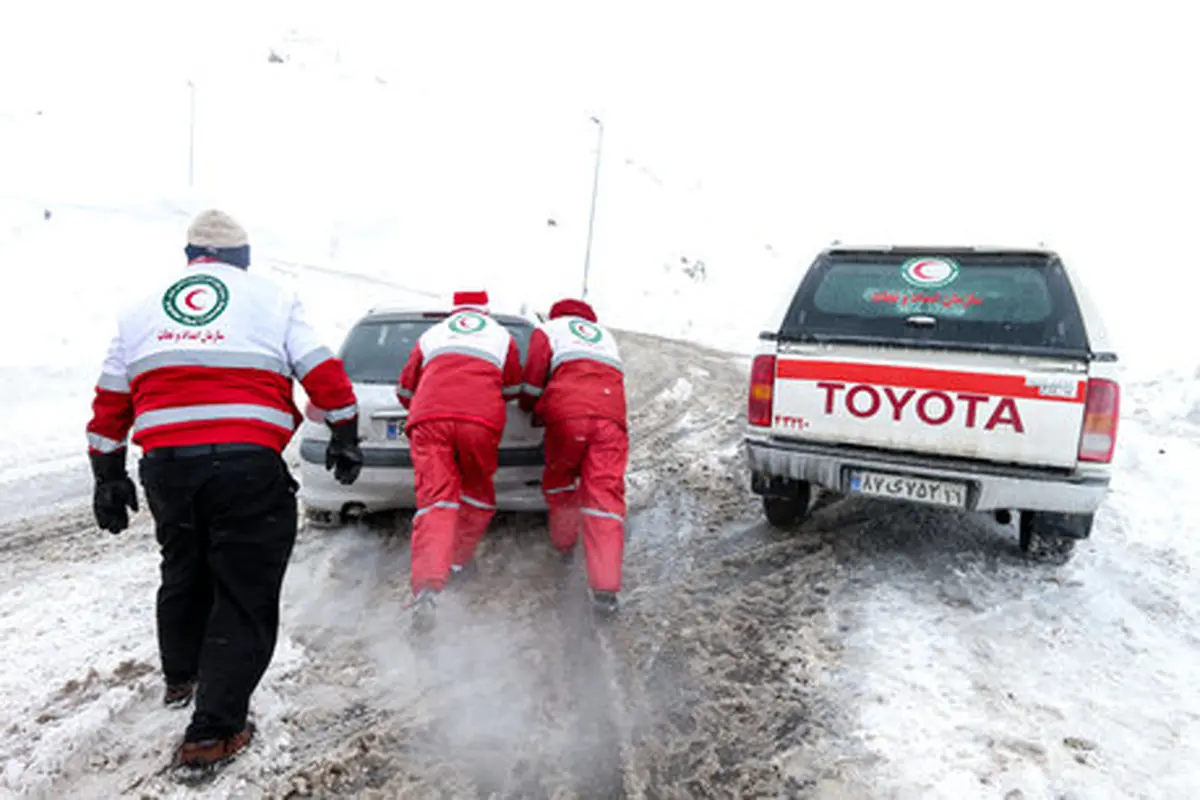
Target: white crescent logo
[467, 322]
[196, 300]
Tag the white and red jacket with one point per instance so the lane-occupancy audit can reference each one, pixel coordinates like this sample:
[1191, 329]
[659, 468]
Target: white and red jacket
[209, 359]
[574, 370]
[466, 367]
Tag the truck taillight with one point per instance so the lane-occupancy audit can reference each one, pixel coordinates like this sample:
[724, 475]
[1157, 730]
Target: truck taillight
[1100, 416]
[762, 387]
[313, 413]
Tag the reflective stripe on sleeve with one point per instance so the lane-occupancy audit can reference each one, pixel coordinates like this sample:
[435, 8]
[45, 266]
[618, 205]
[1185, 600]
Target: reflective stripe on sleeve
[209, 413]
[531, 390]
[306, 363]
[342, 414]
[402, 392]
[205, 358]
[510, 391]
[103, 443]
[562, 489]
[113, 383]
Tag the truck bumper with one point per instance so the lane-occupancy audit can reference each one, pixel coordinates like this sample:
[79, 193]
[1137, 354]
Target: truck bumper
[774, 463]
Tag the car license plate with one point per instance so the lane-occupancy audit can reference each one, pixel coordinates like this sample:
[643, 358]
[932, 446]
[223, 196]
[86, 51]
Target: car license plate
[904, 487]
[394, 429]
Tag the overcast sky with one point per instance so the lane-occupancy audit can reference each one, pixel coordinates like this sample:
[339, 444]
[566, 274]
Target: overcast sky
[799, 122]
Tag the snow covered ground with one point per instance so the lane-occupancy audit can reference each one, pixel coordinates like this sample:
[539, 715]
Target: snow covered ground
[974, 674]
[956, 670]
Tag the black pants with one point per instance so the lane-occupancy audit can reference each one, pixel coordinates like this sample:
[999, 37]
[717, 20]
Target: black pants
[226, 525]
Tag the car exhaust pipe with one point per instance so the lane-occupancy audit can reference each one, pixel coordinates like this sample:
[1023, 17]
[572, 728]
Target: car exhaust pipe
[320, 517]
[353, 512]
[1003, 516]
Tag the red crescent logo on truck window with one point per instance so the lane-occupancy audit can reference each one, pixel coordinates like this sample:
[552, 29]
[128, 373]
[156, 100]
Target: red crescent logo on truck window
[929, 273]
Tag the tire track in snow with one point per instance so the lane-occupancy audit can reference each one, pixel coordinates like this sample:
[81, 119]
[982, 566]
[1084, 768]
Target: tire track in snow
[707, 683]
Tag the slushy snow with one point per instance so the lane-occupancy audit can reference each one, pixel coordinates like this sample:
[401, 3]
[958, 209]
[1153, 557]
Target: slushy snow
[968, 673]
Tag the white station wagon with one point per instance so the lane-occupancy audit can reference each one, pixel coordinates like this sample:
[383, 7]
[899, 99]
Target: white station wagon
[374, 352]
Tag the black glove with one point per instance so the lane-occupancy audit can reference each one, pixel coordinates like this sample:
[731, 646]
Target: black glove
[114, 492]
[343, 455]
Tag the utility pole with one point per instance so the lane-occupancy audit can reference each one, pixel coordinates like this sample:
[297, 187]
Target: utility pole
[587, 259]
[191, 133]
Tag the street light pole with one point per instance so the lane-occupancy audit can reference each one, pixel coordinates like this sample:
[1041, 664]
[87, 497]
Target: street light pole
[587, 259]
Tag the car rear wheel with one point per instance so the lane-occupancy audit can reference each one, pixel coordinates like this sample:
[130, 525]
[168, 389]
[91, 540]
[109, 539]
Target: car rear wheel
[786, 511]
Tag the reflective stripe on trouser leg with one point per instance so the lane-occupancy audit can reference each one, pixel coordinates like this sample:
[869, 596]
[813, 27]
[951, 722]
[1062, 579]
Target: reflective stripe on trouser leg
[604, 545]
[566, 444]
[433, 544]
[438, 487]
[471, 525]
[602, 496]
[563, 505]
[476, 449]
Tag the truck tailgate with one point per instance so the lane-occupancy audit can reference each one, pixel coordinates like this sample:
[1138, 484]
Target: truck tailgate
[1011, 409]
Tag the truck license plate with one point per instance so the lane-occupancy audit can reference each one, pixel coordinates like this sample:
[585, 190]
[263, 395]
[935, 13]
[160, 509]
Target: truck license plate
[394, 429]
[903, 487]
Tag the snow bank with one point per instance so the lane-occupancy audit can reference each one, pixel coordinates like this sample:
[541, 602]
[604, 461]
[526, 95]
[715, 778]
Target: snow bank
[976, 674]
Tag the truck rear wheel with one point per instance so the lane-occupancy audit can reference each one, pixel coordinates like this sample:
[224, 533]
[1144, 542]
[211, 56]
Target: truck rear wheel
[785, 511]
[1050, 537]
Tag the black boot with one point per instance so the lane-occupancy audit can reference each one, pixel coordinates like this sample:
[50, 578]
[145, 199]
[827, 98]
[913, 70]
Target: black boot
[604, 604]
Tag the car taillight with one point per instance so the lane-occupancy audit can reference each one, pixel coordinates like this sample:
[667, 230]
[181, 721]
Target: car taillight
[762, 387]
[312, 413]
[1100, 416]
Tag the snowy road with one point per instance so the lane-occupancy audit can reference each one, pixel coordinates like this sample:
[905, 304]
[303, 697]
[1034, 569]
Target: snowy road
[875, 651]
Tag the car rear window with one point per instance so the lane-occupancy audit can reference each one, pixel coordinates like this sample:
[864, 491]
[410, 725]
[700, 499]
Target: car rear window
[375, 351]
[1019, 301]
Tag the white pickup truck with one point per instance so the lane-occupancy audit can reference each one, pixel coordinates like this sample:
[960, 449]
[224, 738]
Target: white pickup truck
[979, 379]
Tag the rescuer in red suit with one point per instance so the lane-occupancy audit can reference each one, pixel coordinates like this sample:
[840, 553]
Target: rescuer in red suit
[459, 377]
[575, 384]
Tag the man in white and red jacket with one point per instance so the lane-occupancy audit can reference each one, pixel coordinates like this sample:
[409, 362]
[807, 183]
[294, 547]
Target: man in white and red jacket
[200, 371]
[460, 376]
[574, 382]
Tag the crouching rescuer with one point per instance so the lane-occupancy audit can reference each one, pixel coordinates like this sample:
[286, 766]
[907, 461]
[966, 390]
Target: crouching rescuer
[460, 376]
[575, 384]
[200, 371]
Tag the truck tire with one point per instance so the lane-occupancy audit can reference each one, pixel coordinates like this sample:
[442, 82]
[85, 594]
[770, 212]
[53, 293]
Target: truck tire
[783, 512]
[1050, 537]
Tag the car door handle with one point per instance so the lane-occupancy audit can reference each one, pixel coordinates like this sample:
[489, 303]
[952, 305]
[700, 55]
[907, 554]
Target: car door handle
[398, 413]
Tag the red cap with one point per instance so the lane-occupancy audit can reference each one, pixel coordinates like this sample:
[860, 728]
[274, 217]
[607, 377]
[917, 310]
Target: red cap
[473, 299]
[572, 308]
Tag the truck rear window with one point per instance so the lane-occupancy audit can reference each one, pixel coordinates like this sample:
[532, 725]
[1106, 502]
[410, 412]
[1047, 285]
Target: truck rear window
[1019, 301]
[376, 351]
